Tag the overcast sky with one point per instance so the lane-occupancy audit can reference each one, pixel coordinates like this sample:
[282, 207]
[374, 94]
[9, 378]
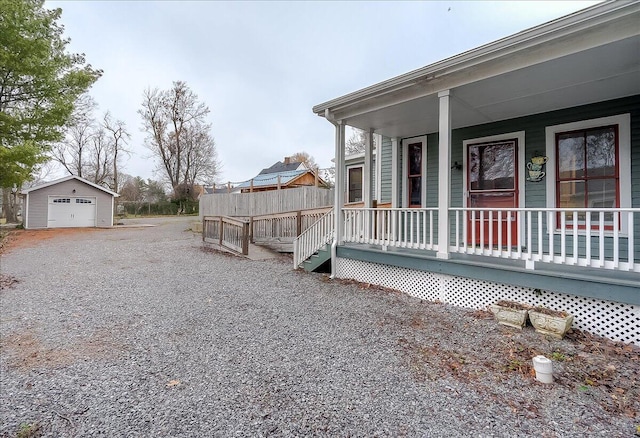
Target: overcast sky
[261, 66]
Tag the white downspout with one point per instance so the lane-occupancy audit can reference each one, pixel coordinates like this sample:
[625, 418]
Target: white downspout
[339, 186]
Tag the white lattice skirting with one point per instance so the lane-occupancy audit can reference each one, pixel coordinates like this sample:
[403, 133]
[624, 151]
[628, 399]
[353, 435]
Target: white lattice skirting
[617, 321]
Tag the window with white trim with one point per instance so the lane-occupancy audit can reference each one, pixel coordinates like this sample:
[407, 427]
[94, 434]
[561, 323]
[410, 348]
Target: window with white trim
[354, 184]
[414, 167]
[589, 167]
[414, 156]
[587, 170]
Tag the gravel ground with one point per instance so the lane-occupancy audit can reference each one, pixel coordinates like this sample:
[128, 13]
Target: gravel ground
[140, 332]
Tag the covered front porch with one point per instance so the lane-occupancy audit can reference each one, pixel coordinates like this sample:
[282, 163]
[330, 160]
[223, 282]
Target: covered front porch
[516, 164]
[478, 154]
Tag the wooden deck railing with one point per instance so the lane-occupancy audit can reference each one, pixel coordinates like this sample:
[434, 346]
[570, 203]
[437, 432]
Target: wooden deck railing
[283, 227]
[278, 230]
[316, 236]
[228, 232]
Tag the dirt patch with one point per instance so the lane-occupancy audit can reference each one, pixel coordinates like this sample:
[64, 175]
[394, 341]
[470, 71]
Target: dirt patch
[437, 344]
[29, 238]
[7, 281]
[24, 351]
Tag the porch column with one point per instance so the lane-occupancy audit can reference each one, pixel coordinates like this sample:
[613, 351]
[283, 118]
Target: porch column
[394, 172]
[444, 173]
[367, 192]
[340, 180]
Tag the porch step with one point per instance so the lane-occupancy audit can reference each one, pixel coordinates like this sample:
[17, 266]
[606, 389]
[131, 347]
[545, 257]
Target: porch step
[317, 260]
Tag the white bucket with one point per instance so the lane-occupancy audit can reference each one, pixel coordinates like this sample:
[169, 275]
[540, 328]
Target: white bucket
[544, 369]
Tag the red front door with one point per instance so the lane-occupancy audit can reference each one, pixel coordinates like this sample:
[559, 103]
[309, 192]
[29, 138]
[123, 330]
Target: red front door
[492, 182]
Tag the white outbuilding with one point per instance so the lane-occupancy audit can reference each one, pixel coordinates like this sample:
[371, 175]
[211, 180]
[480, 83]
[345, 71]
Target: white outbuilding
[68, 202]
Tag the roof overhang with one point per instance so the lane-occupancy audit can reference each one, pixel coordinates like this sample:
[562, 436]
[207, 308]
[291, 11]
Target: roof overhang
[589, 56]
[68, 178]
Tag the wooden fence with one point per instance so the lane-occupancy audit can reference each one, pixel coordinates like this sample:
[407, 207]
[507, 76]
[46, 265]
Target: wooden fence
[265, 203]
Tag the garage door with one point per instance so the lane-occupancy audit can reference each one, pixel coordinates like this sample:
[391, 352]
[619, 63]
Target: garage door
[67, 211]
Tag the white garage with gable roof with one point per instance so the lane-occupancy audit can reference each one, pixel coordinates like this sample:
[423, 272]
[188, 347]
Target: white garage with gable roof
[68, 202]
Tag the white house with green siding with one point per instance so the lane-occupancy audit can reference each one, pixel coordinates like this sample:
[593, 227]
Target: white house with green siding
[511, 171]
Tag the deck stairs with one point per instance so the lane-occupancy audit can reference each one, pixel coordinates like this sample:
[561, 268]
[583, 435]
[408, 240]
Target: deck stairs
[318, 260]
[312, 248]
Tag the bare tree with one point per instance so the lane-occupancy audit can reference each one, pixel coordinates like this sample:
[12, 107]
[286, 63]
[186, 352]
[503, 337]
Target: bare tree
[99, 163]
[201, 156]
[72, 152]
[118, 138]
[133, 188]
[90, 149]
[179, 136]
[357, 142]
[304, 157]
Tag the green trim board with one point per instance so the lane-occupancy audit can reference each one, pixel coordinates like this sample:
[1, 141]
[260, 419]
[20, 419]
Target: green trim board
[614, 288]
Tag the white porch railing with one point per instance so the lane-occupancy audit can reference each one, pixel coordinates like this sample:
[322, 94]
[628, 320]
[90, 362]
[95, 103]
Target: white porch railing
[397, 227]
[577, 237]
[598, 238]
[314, 237]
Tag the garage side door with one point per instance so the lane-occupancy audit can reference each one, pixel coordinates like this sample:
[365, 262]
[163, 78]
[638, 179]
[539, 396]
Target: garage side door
[64, 212]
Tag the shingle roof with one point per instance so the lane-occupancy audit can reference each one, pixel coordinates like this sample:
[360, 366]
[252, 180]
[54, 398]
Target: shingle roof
[68, 178]
[280, 167]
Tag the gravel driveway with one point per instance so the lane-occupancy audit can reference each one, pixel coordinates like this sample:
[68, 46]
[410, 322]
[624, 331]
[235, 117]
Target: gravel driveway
[139, 332]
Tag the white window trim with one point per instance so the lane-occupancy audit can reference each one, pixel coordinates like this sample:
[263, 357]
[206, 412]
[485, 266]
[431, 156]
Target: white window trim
[26, 211]
[520, 137]
[348, 168]
[405, 170]
[624, 159]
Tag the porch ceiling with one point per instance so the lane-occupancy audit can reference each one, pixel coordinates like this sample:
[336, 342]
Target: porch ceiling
[600, 73]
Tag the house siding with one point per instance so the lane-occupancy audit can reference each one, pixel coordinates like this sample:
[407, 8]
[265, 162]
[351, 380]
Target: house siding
[355, 162]
[39, 202]
[535, 144]
[385, 171]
